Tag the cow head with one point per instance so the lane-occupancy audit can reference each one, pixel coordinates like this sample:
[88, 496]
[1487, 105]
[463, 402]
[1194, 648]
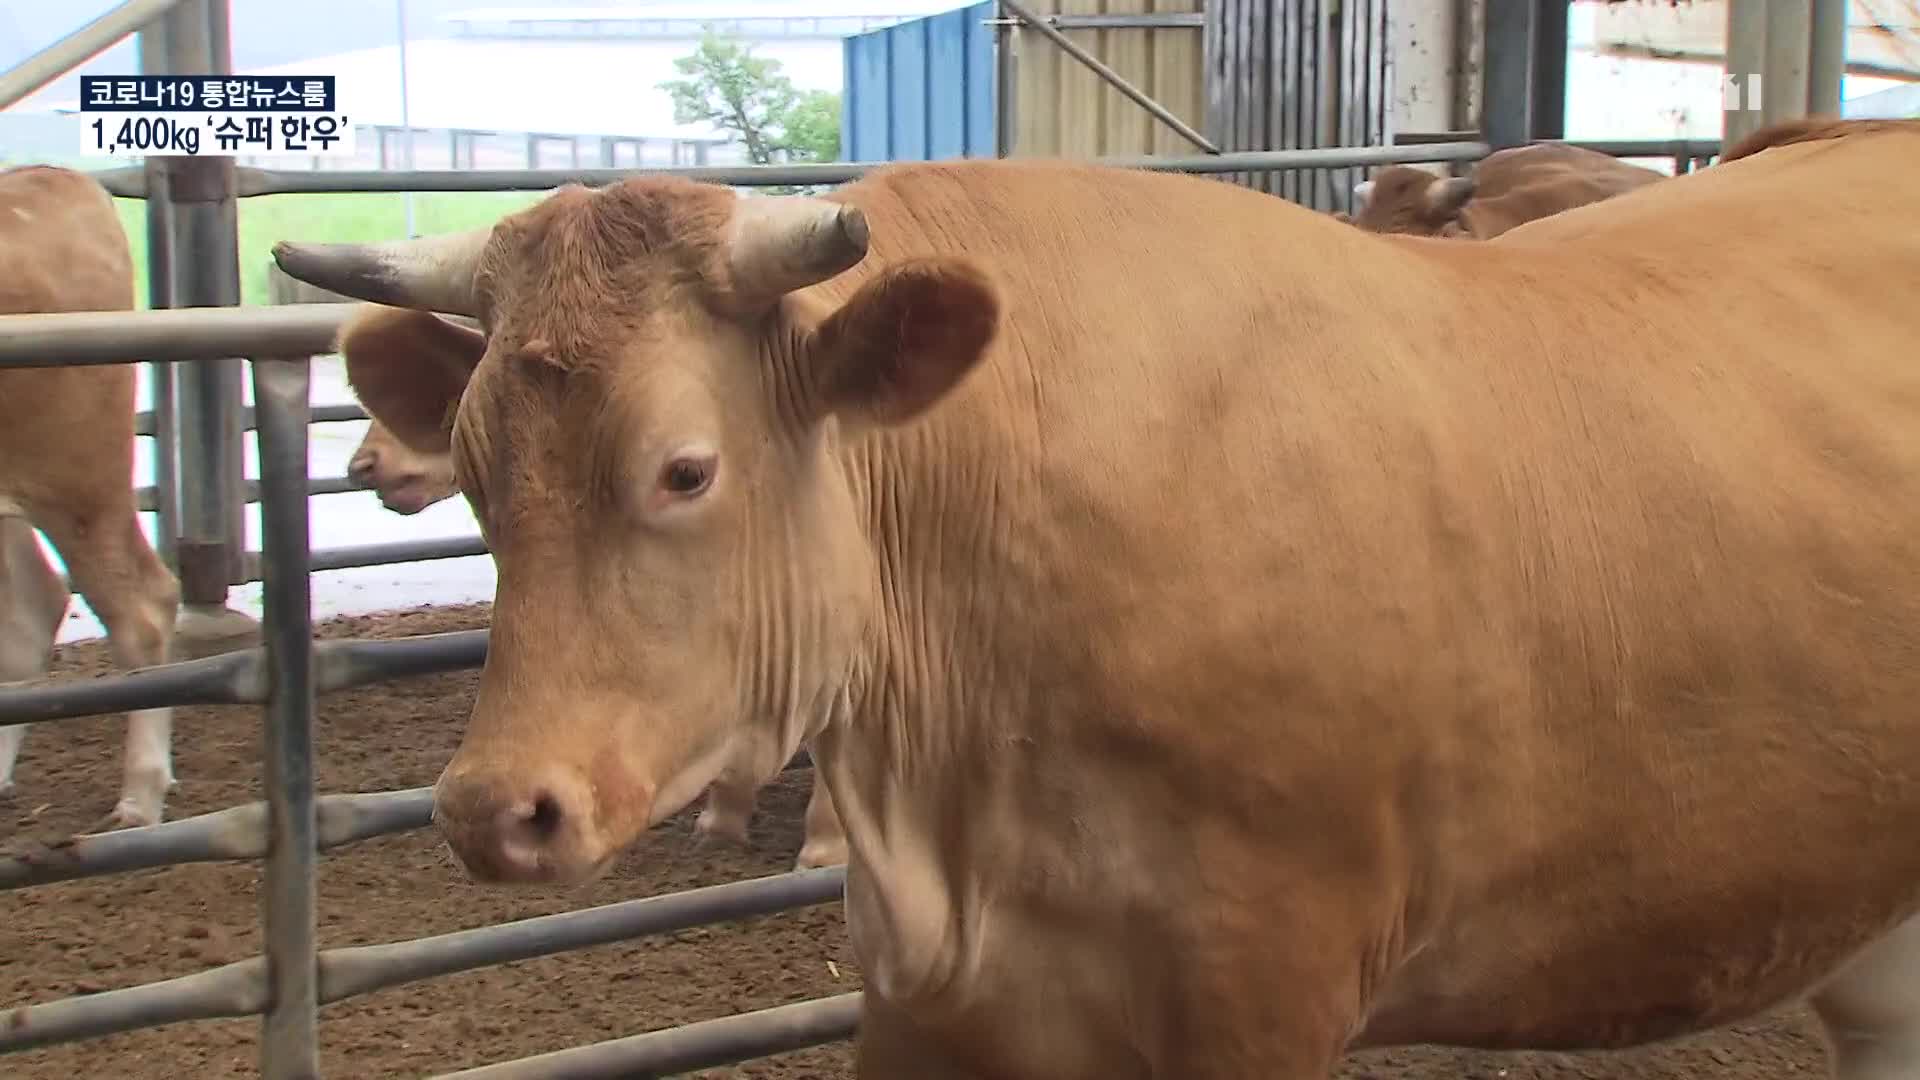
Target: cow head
[1403, 199]
[406, 481]
[651, 430]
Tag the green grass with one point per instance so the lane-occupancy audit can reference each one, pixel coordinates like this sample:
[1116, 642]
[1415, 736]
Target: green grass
[333, 218]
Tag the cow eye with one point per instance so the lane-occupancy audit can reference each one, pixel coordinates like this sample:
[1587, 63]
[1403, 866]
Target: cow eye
[687, 475]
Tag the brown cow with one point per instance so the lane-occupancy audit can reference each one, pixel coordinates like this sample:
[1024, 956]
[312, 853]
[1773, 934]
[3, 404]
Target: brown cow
[1229, 637]
[409, 480]
[1508, 188]
[66, 452]
[406, 482]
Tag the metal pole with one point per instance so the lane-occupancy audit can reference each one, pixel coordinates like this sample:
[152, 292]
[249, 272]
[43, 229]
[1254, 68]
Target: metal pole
[1746, 56]
[1108, 75]
[1827, 60]
[201, 194]
[406, 121]
[255, 182]
[289, 1037]
[58, 339]
[77, 48]
[1789, 33]
[704, 1044]
[1003, 81]
[1549, 119]
[160, 377]
[1509, 72]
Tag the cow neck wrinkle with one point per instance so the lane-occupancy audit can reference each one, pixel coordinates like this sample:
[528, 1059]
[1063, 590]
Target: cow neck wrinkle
[923, 727]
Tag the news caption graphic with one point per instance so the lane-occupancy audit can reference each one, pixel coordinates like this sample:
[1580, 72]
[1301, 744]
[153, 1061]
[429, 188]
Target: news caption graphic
[212, 115]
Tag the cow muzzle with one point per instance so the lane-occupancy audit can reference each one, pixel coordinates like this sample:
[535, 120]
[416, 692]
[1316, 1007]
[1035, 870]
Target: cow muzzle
[515, 825]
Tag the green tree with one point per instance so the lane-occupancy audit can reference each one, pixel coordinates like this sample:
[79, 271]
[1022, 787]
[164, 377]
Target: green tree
[723, 84]
[813, 127]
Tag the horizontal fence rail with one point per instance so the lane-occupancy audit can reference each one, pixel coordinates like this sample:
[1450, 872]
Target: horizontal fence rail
[704, 1044]
[240, 677]
[169, 335]
[239, 832]
[146, 498]
[240, 988]
[320, 414]
[131, 183]
[358, 555]
[456, 547]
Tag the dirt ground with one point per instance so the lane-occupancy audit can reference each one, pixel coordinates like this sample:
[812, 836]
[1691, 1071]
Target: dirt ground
[84, 937]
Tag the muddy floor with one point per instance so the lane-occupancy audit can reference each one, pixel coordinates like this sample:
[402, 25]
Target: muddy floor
[85, 937]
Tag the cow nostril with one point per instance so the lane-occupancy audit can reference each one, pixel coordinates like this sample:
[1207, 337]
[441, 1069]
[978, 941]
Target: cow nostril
[544, 822]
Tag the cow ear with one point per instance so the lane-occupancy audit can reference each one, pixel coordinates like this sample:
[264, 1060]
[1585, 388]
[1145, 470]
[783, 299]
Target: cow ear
[409, 368]
[1446, 197]
[900, 343]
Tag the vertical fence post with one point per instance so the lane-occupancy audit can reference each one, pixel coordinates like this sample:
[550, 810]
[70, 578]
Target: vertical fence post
[203, 226]
[1508, 72]
[1746, 55]
[1549, 110]
[1827, 64]
[1789, 33]
[158, 211]
[289, 1040]
[1004, 81]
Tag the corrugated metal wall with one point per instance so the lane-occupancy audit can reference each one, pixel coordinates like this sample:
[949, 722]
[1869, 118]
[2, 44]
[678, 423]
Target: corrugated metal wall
[1298, 74]
[1256, 75]
[920, 90]
[1062, 109]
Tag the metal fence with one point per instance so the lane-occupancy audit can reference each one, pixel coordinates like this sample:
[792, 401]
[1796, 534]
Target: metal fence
[249, 182]
[287, 985]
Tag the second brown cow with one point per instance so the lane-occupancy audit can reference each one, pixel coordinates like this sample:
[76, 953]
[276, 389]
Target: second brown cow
[1507, 189]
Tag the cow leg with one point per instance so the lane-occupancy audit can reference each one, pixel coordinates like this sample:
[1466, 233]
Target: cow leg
[136, 598]
[890, 1047]
[33, 601]
[11, 738]
[826, 842]
[1871, 1009]
[730, 804]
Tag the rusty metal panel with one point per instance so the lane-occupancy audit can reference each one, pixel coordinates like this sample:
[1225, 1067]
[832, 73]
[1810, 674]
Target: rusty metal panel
[1062, 109]
[1300, 74]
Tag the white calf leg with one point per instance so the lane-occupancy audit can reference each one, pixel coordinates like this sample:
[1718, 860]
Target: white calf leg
[729, 806]
[10, 739]
[147, 772]
[136, 598]
[33, 600]
[1871, 1009]
[826, 842]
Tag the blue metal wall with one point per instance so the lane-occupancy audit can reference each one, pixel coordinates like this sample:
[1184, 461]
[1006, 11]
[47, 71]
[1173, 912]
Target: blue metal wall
[920, 90]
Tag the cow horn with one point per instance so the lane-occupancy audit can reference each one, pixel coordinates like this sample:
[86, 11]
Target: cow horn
[781, 243]
[432, 273]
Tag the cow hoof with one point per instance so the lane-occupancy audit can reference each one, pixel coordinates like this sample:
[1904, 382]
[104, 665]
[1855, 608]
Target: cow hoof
[718, 830]
[127, 815]
[816, 856]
